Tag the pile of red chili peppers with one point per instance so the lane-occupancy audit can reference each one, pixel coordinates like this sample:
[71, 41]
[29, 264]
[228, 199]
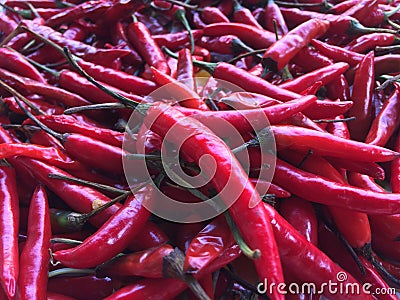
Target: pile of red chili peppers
[325, 73]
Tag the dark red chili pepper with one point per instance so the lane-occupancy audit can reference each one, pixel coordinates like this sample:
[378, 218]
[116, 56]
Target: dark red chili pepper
[273, 12]
[7, 25]
[139, 36]
[185, 70]
[161, 118]
[147, 263]
[9, 213]
[150, 236]
[338, 89]
[116, 234]
[341, 7]
[57, 296]
[387, 121]
[325, 75]
[75, 32]
[283, 50]
[212, 15]
[338, 53]
[35, 256]
[250, 35]
[368, 42]
[43, 106]
[176, 40]
[328, 192]
[371, 169]
[243, 15]
[309, 59]
[326, 109]
[40, 137]
[395, 169]
[301, 215]
[325, 144]
[361, 95]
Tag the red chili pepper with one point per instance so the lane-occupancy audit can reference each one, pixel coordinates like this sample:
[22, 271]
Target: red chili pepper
[371, 169]
[395, 169]
[161, 119]
[332, 193]
[7, 25]
[309, 59]
[139, 36]
[387, 121]
[264, 187]
[212, 15]
[273, 12]
[368, 42]
[361, 95]
[116, 233]
[243, 15]
[325, 75]
[338, 53]
[301, 215]
[283, 50]
[146, 263]
[341, 7]
[43, 106]
[176, 40]
[327, 109]
[57, 296]
[338, 89]
[250, 35]
[325, 144]
[150, 236]
[35, 257]
[185, 70]
[9, 213]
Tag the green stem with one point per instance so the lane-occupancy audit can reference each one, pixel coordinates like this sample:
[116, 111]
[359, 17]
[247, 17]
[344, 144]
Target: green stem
[71, 271]
[334, 120]
[65, 241]
[209, 67]
[357, 28]
[100, 106]
[180, 15]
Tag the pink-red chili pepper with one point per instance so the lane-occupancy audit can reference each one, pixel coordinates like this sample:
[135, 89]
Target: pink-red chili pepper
[139, 36]
[9, 214]
[243, 15]
[250, 35]
[115, 234]
[361, 95]
[395, 169]
[160, 118]
[387, 121]
[185, 71]
[325, 75]
[35, 256]
[176, 40]
[283, 50]
[272, 12]
[301, 215]
[212, 15]
[368, 42]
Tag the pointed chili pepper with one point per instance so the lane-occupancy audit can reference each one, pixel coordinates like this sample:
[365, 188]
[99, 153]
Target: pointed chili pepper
[9, 214]
[35, 255]
[327, 109]
[139, 36]
[185, 70]
[371, 169]
[176, 40]
[283, 50]
[115, 234]
[361, 95]
[243, 15]
[273, 12]
[387, 121]
[212, 15]
[368, 42]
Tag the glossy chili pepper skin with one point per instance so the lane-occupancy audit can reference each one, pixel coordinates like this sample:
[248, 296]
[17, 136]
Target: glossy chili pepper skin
[361, 95]
[301, 215]
[273, 12]
[333, 193]
[250, 35]
[185, 70]
[176, 40]
[147, 263]
[139, 36]
[283, 50]
[212, 15]
[112, 237]
[9, 214]
[368, 42]
[35, 256]
[387, 121]
[209, 143]
[243, 15]
[325, 144]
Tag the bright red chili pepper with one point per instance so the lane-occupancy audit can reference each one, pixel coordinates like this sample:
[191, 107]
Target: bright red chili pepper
[115, 234]
[9, 214]
[161, 118]
[283, 50]
[301, 215]
[272, 12]
[35, 256]
[243, 15]
[185, 71]
[327, 109]
[337, 53]
[139, 36]
[361, 95]
[371, 169]
[387, 121]
[368, 42]
[212, 15]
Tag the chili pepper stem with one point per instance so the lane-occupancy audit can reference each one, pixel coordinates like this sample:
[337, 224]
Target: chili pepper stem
[250, 53]
[71, 271]
[180, 15]
[357, 27]
[324, 4]
[100, 106]
[65, 241]
[334, 120]
[209, 67]
[388, 82]
[88, 183]
[252, 254]
[110, 203]
[13, 34]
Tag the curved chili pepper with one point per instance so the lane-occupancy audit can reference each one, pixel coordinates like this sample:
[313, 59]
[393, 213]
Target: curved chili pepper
[368, 42]
[116, 234]
[41, 105]
[15, 62]
[9, 213]
[139, 36]
[273, 12]
[325, 144]
[150, 236]
[147, 263]
[328, 192]
[338, 89]
[35, 257]
[7, 25]
[264, 187]
[176, 40]
[327, 109]
[283, 50]
[361, 95]
[301, 215]
[250, 35]
[185, 70]
[371, 169]
[325, 75]
[161, 118]
[387, 121]
[243, 15]
[212, 15]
